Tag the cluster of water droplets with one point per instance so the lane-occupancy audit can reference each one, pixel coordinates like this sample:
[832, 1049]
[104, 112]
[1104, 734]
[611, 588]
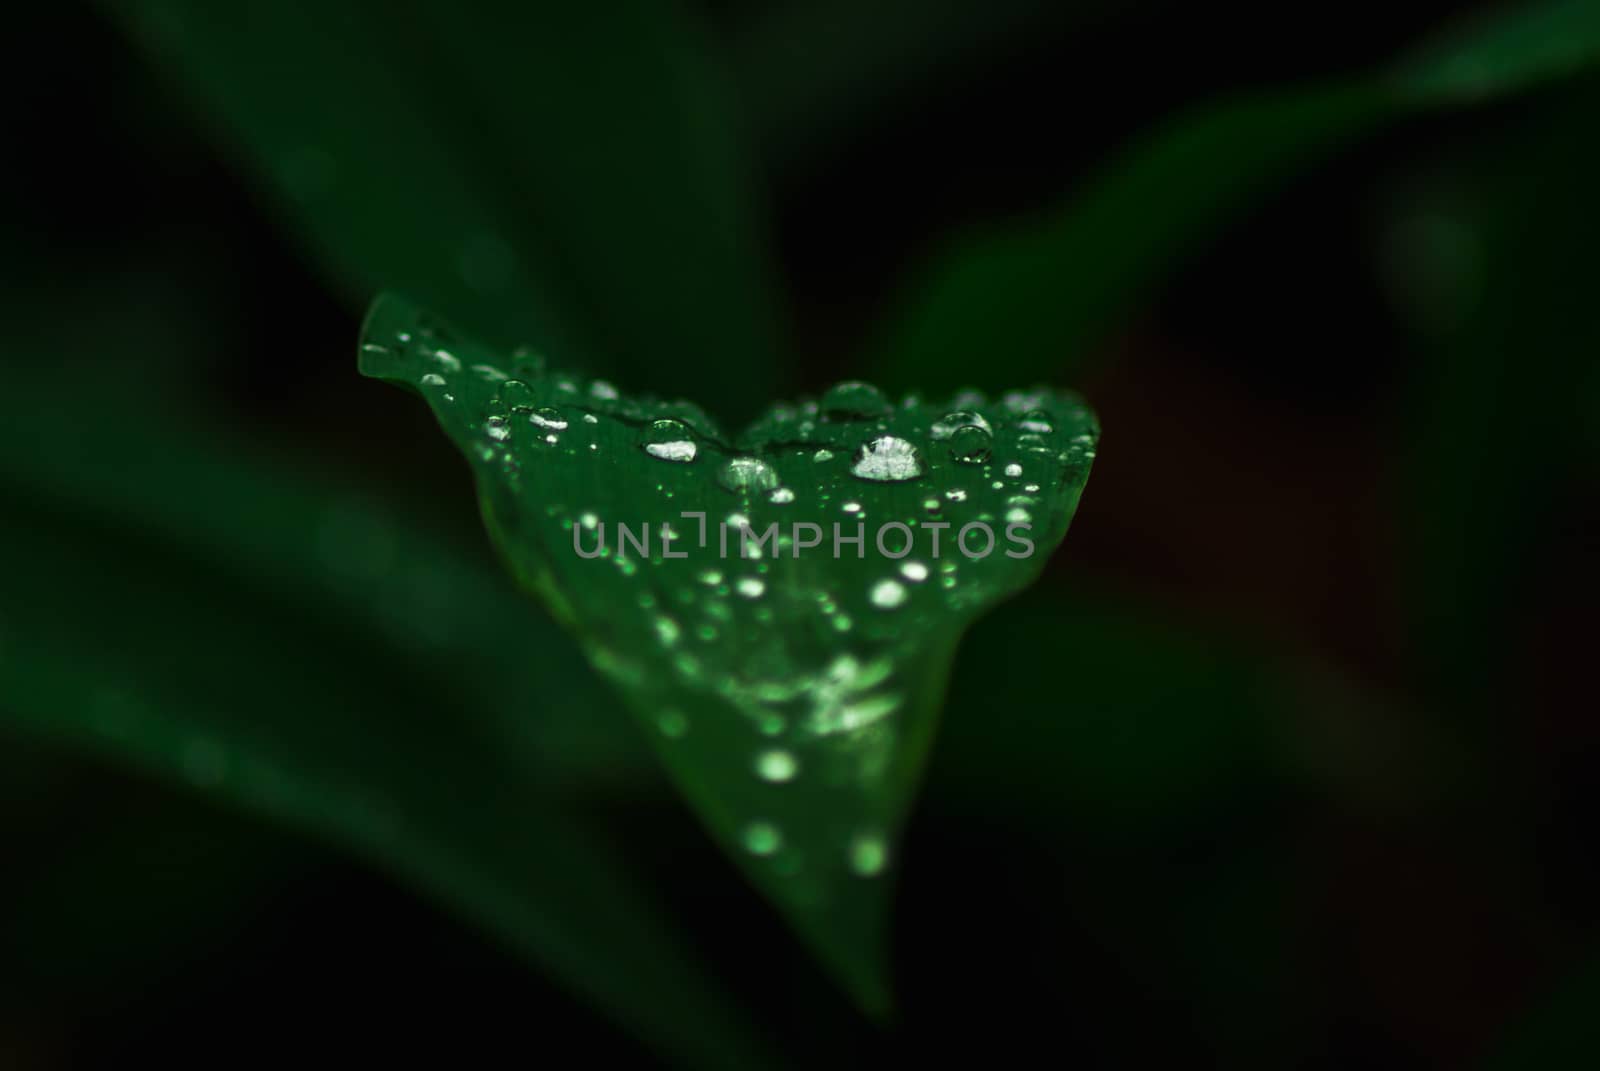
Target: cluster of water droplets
[761, 628]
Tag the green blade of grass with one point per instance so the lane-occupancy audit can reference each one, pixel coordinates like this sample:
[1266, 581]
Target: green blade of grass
[792, 695]
[1040, 296]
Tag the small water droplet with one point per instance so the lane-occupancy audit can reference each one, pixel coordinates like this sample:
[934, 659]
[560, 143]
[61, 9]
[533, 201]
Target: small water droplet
[782, 496]
[853, 400]
[868, 855]
[946, 426]
[887, 594]
[447, 360]
[747, 474]
[971, 445]
[776, 766]
[762, 838]
[915, 572]
[669, 440]
[433, 379]
[516, 396]
[602, 390]
[750, 587]
[956, 494]
[548, 418]
[887, 459]
[497, 429]
[1013, 470]
[1037, 421]
[822, 455]
[851, 507]
[590, 418]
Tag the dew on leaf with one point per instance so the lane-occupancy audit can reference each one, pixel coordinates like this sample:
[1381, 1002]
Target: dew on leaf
[548, 418]
[747, 474]
[853, 400]
[762, 838]
[669, 440]
[887, 459]
[776, 766]
[971, 445]
[947, 426]
[869, 854]
[1037, 421]
[887, 594]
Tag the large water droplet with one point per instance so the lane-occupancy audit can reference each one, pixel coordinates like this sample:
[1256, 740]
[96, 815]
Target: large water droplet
[853, 400]
[669, 440]
[887, 459]
[947, 425]
[971, 445]
[747, 474]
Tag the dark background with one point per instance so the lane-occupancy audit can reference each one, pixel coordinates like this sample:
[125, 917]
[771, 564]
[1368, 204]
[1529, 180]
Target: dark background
[1312, 782]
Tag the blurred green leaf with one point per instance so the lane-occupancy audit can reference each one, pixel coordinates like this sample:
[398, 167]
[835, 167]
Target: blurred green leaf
[311, 660]
[1040, 296]
[562, 174]
[792, 696]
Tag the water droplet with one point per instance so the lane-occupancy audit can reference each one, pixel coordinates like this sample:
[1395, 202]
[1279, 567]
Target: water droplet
[1018, 515]
[762, 838]
[549, 419]
[887, 594]
[603, 390]
[669, 440]
[956, 494]
[946, 426]
[497, 429]
[750, 587]
[747, 474]
[868, 855]
[853, 400]
[433, 379]
[776, 766]
[1013, 470]
[851, 507]
[822, 455]
[887, 459]
[590, 418]
[516, 396]
[782, 496]
[915, 572]
[1037, 421]
[971, 445]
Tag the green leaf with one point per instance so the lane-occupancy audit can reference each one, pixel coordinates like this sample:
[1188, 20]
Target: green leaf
[1040, 296]
[315, 660]
[556, 173]
[791, 694]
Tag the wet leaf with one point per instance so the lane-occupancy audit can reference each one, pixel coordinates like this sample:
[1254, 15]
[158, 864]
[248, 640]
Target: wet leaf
[790, 682]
